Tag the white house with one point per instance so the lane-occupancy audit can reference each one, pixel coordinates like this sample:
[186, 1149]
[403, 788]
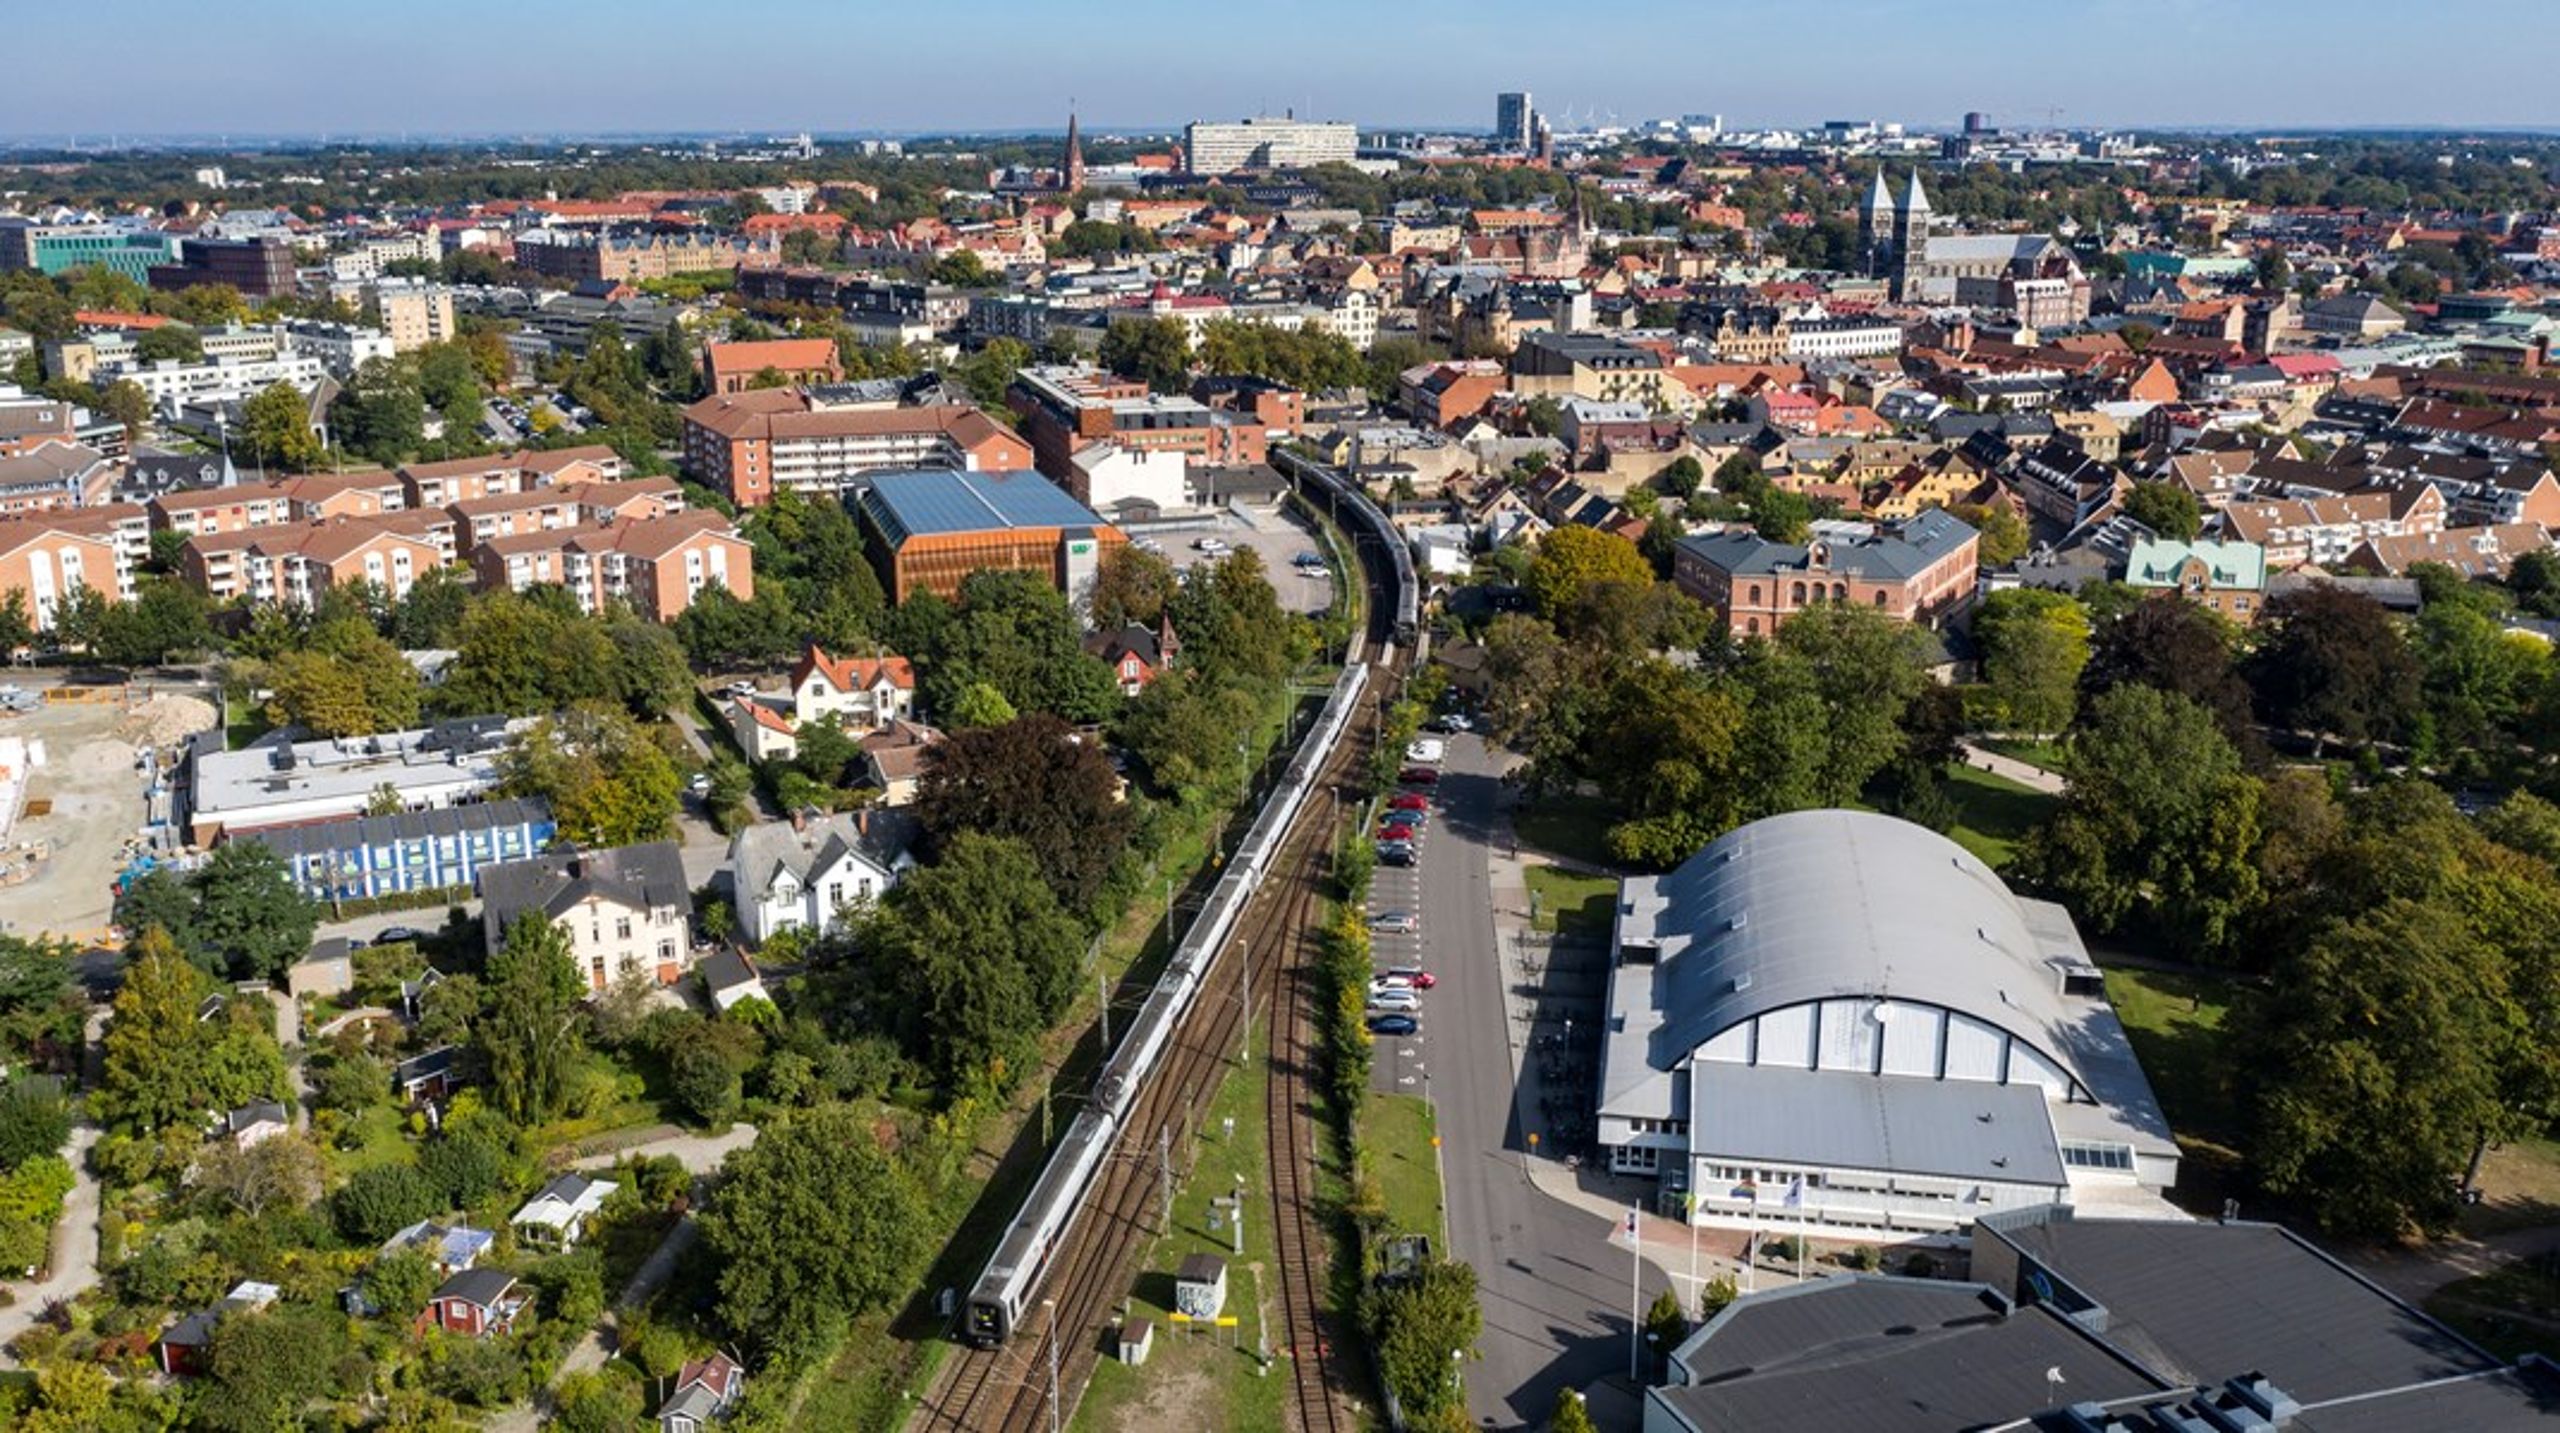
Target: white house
[558, 1212]
[800, 874]
[863, 694]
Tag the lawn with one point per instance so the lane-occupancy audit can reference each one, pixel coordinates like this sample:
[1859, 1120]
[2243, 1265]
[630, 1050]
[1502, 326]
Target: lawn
[1575, 827]
[2046, 754]
[385, 1139]
[1396, 1134]
[2511, 1311]
[1571, 903]
[2175, 1021]
[1994, 813]
[1208, 1378]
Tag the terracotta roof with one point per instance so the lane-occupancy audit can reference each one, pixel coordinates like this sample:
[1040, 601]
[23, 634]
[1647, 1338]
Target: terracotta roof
[790, 355]
[853, 674]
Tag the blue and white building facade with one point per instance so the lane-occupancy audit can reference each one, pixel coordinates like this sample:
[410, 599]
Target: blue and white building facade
[359, 858]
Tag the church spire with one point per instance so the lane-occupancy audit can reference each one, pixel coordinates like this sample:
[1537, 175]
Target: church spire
[1914, 199]
[1071, 166]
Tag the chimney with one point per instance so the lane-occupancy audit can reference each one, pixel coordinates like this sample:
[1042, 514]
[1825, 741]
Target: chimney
[800, 818]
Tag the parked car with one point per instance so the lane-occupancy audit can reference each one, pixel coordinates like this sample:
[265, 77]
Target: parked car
[1210, 545]
[396, 934]
[1428, 750]
[1450, 722]
[1402, 1001]
[1419, 776]
[1413, 975]
[1395, 853]
[739, 689]
[1389, 984]
[1396, 922]
[1409, 801]
[1394, 834]
[1307, 557]
[1394, 1025]
[700, 785]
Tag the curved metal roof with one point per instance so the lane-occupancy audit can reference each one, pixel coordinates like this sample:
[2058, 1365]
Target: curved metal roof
[1828, 904]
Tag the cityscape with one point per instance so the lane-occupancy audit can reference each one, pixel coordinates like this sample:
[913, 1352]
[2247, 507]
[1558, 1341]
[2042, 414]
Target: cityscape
[1872, 755]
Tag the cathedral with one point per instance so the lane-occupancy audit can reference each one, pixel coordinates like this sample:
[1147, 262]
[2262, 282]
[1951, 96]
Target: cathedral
[2018, 272]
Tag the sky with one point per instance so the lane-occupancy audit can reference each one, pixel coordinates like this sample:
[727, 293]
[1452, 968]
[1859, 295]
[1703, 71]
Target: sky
[541, 67]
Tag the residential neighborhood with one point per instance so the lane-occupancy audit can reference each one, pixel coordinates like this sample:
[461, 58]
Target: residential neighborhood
[1083, 756]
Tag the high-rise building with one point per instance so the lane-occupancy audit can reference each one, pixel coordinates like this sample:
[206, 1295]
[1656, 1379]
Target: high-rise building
[1976, 122]
[1266, 142]
[1514, 120]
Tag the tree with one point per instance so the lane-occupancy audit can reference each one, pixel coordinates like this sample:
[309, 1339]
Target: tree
[1665, 1325]
[251, 920]
[381, 1200]
[650, 674]
[608, 781]
[2170, 644]
[1155, 351]
[1782, 514]
[518, 654]
[1572, 559]
[1031, 780]
[400, 1284]
[2167, 509]
[266, 1365]
[165, 617]
[2396, 1021]
[283, 1169]
[1417, 1323]
[2004, 535]
[971, 957]
[963, 269]
[978, 705]
[990, 371]
[35, 1121]
[2332, 663]
[2156, 817]
[703, 1077]
[2475, 678]
[1571, 1415]
[1184, 726]
[814, 1224]
[2034, 645]
[1681, 478]
[126, 402]
[157, 1058]
[2274, 272]
[347, 680]
[528, 1029]
[275, 427]
[1131, 585]
[1016, 633]
[1824, 704]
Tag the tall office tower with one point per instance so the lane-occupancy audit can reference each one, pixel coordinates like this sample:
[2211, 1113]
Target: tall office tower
[1514, 120]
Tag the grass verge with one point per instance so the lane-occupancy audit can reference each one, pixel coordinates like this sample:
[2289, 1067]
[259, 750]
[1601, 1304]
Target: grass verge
[1995, 813]
[1571, 903]
[1397, 1134]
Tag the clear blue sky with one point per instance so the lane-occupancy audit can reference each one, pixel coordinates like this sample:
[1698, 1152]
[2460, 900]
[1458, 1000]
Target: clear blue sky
[544, 66]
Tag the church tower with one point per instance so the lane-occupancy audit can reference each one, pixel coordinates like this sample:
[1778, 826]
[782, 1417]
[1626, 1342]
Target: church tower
[1911, 240]
[1875, 228]
[1071, 167]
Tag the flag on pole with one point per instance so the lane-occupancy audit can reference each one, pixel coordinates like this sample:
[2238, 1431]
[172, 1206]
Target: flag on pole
[1747, 1190]
[1795, 1193]
[1631, 1223]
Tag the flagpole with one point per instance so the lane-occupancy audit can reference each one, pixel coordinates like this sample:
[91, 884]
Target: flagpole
[1693, 1243]
[1751, 1246]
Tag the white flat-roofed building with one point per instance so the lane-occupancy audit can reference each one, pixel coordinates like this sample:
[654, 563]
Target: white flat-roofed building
[294, 783]
[1267, 142]
[1843, 1022]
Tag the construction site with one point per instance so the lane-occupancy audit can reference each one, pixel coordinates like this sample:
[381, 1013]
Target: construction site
[84, 799]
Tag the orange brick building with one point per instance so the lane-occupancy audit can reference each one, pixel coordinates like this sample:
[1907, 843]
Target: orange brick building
[929, 530]
[732, 367]
[750, 444]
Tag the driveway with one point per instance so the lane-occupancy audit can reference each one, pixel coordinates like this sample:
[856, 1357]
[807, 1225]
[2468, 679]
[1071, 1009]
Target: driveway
[700, 1154]
[2036, 777]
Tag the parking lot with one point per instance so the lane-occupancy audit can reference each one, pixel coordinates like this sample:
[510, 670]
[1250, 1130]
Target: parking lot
[1271, 532]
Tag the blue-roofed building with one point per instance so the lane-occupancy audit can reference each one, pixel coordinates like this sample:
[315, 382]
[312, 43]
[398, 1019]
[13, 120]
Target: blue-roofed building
[930, 529]
[357, 858]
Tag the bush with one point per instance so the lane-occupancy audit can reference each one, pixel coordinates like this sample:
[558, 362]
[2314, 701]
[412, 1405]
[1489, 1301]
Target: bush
[380, 1202]
[1862, 1258]
[463, 1169]
[1921, 1265]
[34, 1120]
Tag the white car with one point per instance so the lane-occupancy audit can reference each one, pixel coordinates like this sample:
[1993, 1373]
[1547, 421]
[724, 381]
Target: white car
[1394, 1002]
[1428, 750]
[1387, 984]
[739, 689]
[1210, 545]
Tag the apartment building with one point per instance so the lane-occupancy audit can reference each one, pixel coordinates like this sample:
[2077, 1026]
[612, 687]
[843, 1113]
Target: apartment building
[548, 509]
[293, 564]
[2324, 530]
[624, 258]
[260, 268]
[411, 312]
[436, 485]
[750, 444]
[1590, 365]
[173, 385]
[55, 475]
[1066, 410]
[656, 565]
[44, 555]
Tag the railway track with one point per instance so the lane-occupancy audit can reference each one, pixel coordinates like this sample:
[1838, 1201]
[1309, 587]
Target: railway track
[1293, 1143]
[1009, 1388]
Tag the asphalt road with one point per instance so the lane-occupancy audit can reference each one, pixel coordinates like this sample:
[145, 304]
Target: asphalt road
[1554, 1289]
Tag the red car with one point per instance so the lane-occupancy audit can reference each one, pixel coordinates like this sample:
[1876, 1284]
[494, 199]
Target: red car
[1409, 801]
[1419, 776]
[1395, 831]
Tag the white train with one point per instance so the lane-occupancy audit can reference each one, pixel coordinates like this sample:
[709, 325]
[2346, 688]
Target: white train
[1013, 1277]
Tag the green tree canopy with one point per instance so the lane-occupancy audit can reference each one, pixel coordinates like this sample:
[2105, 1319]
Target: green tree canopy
[1035, 781]
[2034, 645]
